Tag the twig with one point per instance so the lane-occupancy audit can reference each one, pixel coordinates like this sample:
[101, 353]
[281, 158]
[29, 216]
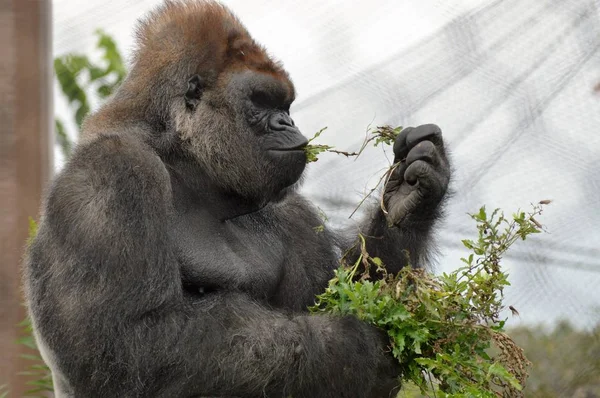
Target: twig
[346, 154]
[367, 195]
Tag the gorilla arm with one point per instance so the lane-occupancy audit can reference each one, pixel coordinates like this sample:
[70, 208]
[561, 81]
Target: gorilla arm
[115, 316]
[248, 350]
[413, 200]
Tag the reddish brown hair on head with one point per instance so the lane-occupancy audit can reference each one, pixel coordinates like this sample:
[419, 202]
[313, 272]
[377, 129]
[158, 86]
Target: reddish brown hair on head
[201, 31]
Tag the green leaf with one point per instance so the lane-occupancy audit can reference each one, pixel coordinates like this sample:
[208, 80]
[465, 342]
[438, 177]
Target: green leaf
[482, 216]
[469, 244]
[97, 73]
[81, 113]
[377, 261]
[105, 90]
[31, 357]
[63, 139]
[111, 54]
[500, 371]
[66, 70]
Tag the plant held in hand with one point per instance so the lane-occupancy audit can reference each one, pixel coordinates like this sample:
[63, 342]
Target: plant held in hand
[446, 331]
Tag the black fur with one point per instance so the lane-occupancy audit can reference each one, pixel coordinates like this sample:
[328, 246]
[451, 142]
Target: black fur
[175, 259]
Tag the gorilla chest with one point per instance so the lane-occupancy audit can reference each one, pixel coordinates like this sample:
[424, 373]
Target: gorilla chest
[248, 254]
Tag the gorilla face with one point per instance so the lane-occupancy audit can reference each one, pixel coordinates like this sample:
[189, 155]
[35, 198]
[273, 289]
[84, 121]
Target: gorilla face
[241, 132]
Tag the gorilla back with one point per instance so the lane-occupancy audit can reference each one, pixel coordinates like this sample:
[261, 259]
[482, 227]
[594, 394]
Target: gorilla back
[174, 256]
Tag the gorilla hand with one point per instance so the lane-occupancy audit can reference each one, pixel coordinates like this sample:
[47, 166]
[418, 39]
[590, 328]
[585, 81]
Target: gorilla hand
[420, 178]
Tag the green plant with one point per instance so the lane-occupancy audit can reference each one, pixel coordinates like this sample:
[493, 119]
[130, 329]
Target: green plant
[383, 134]
[441, 328]
[40, 376]
[79, 77]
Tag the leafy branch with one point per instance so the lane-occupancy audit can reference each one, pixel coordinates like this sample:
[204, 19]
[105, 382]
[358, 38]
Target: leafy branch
[444, 329]
[382, 134]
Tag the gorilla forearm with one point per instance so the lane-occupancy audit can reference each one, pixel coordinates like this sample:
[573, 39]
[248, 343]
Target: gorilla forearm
[413, 197]
[228, 345]
[250, 351]
[409, 242]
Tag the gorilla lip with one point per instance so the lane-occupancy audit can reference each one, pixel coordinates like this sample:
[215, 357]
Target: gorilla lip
[300, 149]
[290, 149]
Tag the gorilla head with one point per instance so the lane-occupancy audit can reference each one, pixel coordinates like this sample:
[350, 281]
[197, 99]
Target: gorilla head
[223, 102]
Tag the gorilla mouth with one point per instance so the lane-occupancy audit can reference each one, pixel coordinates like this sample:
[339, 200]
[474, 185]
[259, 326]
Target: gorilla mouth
[295, 154]
[295, 148]
[287, 150]
[288, 153]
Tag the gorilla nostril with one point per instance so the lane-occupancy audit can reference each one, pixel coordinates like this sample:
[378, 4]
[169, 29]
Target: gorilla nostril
[281, 122]
[285, 120]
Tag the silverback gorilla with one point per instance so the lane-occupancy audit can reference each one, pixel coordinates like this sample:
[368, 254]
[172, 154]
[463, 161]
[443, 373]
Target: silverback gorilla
[175, 257]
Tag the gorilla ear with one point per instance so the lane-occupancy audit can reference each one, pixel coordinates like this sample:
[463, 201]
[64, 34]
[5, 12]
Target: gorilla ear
[194, 92]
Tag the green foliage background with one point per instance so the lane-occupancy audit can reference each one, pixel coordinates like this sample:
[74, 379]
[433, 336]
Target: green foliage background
[79, 77]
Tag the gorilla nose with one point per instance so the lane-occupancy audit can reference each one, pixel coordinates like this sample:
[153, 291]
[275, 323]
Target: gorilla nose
[281, 122]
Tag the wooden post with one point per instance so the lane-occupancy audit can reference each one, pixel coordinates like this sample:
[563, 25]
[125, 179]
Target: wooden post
[25, 159]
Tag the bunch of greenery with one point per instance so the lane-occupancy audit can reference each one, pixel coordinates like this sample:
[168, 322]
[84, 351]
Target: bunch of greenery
[39, 376]
[445, 331]
[38, 373]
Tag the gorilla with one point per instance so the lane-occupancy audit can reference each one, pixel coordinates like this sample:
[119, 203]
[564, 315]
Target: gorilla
[175, 256]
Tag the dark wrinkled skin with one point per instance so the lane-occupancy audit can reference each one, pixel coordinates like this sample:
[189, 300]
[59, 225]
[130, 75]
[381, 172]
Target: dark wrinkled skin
[176, 259]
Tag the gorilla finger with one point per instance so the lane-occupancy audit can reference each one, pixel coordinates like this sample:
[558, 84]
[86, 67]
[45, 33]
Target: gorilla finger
[429, 132]
[399, 209]
[418, 170]
[411, 136]
[424, 150]
[428, 178]
[398, 171]
[400, 147]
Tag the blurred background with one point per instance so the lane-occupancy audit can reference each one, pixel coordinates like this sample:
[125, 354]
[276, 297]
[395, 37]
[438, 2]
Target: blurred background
[512, 83]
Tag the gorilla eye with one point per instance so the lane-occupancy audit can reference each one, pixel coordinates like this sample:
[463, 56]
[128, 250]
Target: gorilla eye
[194, 92]
[262, 99]
[266, 100]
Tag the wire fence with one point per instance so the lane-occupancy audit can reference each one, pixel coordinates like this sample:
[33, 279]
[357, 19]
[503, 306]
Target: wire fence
[509, 81]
